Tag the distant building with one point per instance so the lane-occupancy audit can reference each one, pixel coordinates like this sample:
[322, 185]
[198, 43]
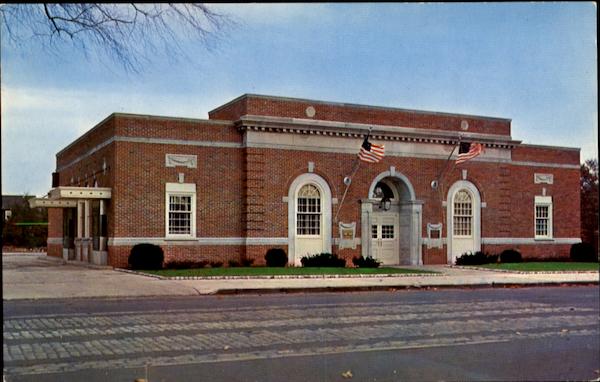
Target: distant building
[267, 172]
[10, 202]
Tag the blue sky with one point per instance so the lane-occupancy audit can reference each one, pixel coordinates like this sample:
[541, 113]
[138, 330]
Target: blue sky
[535, 63]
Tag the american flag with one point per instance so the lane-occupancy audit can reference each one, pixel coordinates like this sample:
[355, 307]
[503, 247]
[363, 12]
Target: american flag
[468, 151]
[371, 152]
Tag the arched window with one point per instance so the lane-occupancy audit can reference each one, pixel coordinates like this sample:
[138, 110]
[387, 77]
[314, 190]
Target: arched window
[308, 211]
[463, 214]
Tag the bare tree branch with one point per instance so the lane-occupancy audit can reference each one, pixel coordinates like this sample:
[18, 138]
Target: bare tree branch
[129, 34]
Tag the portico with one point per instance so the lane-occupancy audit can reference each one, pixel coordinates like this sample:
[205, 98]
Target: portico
[84, 224]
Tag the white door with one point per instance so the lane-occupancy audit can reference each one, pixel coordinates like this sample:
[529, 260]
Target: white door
[384, 237]
[309, 222]
[463, 240]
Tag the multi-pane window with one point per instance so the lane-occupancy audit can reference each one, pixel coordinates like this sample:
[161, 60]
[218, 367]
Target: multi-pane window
[463, 213]
[541, 220]
[374, 231]
[308, 214]
[180, 210]
[543, 217]
[387, 231]
[180, 215]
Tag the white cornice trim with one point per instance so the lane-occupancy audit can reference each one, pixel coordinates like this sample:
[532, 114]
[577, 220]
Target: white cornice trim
[359, 130]
[116, 241]
[343, 150]
[160, 141]
[527, 240]
[541, 164]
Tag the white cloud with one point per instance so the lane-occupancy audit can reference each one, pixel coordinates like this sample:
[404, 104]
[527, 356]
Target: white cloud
[39, 122]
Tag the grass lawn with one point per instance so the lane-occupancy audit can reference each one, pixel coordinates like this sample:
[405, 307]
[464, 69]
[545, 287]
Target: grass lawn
[272, 271]
[543, 266]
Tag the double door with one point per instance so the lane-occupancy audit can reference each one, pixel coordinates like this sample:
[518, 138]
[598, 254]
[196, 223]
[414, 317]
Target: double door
[385, 237]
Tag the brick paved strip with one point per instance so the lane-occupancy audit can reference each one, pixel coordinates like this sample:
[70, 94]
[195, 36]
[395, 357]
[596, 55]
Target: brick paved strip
[248, 339]
[196, 325]
[262, 313]
[282, 309]
[193, 358]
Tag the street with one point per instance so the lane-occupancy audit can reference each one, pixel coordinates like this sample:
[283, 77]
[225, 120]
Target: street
[548, 333]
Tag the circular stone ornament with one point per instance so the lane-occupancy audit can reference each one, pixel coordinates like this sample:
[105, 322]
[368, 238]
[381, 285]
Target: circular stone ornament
[310, 112]
[464, 125]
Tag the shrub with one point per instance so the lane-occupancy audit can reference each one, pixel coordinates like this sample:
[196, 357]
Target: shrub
[216, 264]
[366, 262]
[476, 258]
[276, 257]
[186, 264]
[583, 252]
[324, 259]
[234, 263]
[146, 256]
[247, 262]
[510, 256]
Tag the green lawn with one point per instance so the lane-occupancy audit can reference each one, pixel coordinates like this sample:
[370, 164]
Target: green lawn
[272, 271]
[543, 266]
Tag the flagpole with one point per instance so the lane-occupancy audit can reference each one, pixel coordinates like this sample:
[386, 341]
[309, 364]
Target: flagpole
[355, 167]
[440, 183]
[438, 177]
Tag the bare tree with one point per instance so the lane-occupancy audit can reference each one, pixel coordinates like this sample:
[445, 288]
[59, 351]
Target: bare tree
[126, 33]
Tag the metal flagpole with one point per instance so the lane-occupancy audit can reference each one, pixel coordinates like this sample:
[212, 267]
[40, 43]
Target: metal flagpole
[448, 160]
[439, 182]
[355, 167]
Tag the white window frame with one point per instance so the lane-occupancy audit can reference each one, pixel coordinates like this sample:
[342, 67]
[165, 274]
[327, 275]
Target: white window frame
[181, 189]
[543, 201]
[319, 213]
[470, 216]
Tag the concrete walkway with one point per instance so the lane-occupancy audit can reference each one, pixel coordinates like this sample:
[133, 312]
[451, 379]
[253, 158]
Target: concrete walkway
[36, 276]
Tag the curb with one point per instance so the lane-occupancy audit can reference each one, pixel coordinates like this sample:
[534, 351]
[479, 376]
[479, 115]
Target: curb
[282, 277]
[519, 272]
[393, 288]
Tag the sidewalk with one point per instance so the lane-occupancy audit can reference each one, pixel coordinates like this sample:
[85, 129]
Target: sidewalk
[36, 276]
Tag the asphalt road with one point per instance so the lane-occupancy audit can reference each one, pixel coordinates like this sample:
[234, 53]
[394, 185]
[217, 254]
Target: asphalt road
[548, 334]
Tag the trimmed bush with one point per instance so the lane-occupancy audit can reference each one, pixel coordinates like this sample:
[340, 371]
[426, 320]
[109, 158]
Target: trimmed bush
[366, 262]
[216, 264]
[583, 252]
[324, 259]
[477, 258]
[146, 256]
[233, 263]
[247, 262]
[276, 257]
[510, 256]
[186, 264]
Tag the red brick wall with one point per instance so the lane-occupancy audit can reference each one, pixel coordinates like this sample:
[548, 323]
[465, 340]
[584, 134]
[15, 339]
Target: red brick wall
[118, 255]
[82, 145]
[139, 189]
[240, 190]
[175, 128]
[55, 226]
[530, 153]
[296, 108]
[55, 250]
[531, 251]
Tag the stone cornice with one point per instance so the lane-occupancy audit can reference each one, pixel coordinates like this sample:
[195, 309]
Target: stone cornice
[358, 130]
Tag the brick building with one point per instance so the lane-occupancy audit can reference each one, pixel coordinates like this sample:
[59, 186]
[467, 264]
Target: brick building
[266, 172]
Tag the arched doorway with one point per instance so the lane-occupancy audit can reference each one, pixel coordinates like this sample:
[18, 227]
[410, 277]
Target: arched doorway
[309, 217]
[463, 219]
[391, 221]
